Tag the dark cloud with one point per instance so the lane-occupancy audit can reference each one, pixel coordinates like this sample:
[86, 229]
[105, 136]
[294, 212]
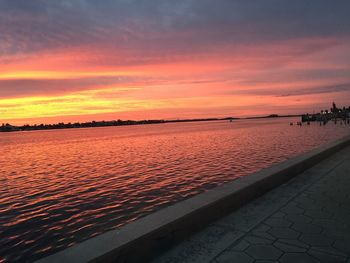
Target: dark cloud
[164, 26]
[258, 39]
[294, 75]
[317, 90]
[287, 92]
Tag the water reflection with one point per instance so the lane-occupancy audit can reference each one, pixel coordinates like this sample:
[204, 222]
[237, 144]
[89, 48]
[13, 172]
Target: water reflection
[60, 187]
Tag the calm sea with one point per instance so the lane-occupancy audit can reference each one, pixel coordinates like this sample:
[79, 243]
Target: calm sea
[61, 187]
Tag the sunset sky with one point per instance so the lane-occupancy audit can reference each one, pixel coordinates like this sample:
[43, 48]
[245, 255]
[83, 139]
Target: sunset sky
[82, 60]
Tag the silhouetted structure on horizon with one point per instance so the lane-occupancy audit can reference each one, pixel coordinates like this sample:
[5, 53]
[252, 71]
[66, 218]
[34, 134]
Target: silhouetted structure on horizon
[334, 113]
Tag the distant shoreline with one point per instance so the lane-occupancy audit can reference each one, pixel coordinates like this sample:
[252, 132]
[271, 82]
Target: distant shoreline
[272, 116]
[93, 124]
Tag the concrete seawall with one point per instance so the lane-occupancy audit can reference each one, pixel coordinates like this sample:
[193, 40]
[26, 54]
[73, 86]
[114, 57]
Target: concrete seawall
[140, 240]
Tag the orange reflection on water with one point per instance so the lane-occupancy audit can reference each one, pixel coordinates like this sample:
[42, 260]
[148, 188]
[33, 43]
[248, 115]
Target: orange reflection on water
[60, 187]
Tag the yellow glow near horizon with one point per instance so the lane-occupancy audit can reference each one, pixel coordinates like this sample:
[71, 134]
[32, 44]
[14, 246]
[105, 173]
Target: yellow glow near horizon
[63, 74]
[92, 102]
[77, 104]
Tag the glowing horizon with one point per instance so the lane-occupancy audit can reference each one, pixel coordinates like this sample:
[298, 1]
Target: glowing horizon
[165, 60]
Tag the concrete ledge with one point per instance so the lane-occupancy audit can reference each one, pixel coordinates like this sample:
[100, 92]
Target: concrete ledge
[144, 238]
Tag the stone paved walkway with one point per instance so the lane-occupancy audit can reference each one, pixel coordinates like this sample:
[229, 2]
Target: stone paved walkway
[304, 220]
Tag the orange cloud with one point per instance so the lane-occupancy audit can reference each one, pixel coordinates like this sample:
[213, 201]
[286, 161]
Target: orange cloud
[242, 80]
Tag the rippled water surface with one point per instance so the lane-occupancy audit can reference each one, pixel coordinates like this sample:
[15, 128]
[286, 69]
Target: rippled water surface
[60, 187]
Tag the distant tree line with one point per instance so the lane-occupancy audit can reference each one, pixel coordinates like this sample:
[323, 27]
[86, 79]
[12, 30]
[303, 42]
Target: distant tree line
[6, 127]
[69, 125]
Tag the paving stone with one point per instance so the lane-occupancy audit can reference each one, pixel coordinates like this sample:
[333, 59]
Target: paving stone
[298, 218]
[336, 233]
[257, 240]
[289, 248]
[343, 218]
[277, 222]
[239, 221]
[342, 245]
[297, 258]
[263, 252]
[264, 235]
[292, 210]
[202, 246]
[278, 214]
[308, 206]
[342, 213]
[325, 257]
[307, 228]
[284, 232]
[328, 223]
[318, 214]
[330, 250]
[316, 240]
[261, 228]
[303, 199]
[231, 256]
[294, 242]
[240, 246]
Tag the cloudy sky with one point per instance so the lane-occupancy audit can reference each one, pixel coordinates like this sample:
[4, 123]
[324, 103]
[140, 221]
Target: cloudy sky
[79, 60]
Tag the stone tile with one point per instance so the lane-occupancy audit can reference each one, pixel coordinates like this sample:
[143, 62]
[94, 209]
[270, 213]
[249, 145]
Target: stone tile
[239, 221]
[201, 247]
[316, 240]
[298, 218]
[257, 240]
[342, 245]
[330, 250]
[264, 235]
[261, 228]
[240, 246]
[231, 256]
[297, 258]
[264, 252]
[328, 223]
[293, 242]
[292, 210]
[289, 248]
[345, 219]
[303, 199]
[336, 233]
[278, 214]
[284, 232]
[277, 222]
[325, 257]
[307, 228]
[341, 212]
[319, 214]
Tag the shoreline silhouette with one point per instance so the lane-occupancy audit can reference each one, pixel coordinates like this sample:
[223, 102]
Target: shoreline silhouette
[7, 127]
